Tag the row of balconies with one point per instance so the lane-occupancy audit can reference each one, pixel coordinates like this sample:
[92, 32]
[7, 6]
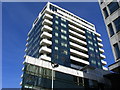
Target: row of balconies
[74, 30]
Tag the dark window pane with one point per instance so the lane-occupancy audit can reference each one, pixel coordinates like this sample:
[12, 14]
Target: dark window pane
[110, 30]
[113, 6]
[117, 51]
[117, 24]
[101, 1]
[105, 12]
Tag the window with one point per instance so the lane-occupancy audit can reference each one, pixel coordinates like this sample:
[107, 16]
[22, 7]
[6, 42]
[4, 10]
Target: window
[99, 64]
[63, 37]
[92, 49]
[89, 37]
[101, 1]
[111, 32]
[96, 51]
[93, 61]
[63, 44]
[56, 28]
[117, 50]
[94, 39]
[105, 12]
[56, 17]
[65, 52]
[56, 22]
[56, 34]
[92, 55]
[55, 56]
[95, 44]
[63, 31]
[117, 24]
[90, 42]
[88, 32]
[113, 6]
[63, 19]
[56, 48]
[56, 41]
[63, 25]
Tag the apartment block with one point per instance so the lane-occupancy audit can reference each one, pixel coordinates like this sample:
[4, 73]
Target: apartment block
[60, 37]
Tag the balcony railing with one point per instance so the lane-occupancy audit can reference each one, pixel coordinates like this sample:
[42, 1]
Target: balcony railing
[45, 57]
[104, 62]
[47, 22]
[78, 47]
[46, 28]
[45, 49]
[46, 34]
[77, 34]
[47, 16]
[79, 53]
[79, 60]
[76, 29]
[102, 56]
[45, 42]
[77, 40]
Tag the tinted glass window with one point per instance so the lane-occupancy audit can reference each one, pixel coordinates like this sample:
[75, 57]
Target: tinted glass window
[117, 51]
[113, 6]
[105, 12]
[117, 24]
[110, 30]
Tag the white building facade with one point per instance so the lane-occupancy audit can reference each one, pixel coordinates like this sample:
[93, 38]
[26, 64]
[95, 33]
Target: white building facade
[111, 14]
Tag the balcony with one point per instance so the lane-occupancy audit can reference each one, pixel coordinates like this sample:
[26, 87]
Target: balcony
[21, 83]
[47, 22]
[26, 44]
[100, 40]
[79, 53]
[76, 29]
[46, 34]
[79, 60]
[26, 50]
[98, 34]
[77, 34]
[25, 56]
[21, 76]
[45, 42]
[100, 45]
[45, 49]
[27, 39]
[77, 40]
[102, 56]
[101, 50]
[47, 16]
[23, 69]
[46, 28]
[45, 57]
[104, 68]
[78, 47]
[104, 62]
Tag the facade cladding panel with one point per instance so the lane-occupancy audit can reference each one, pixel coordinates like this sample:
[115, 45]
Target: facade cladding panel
[112, 22]
[57, 36]
[60, 40]
[93, 49]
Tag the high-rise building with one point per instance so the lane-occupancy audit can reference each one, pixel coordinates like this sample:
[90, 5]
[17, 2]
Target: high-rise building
[60, 38]
[111, 13]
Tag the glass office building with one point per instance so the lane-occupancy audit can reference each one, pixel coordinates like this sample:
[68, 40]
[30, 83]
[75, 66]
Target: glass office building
[60, 37]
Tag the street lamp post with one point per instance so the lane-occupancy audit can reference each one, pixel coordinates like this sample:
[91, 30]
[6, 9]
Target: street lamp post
[54, 65]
